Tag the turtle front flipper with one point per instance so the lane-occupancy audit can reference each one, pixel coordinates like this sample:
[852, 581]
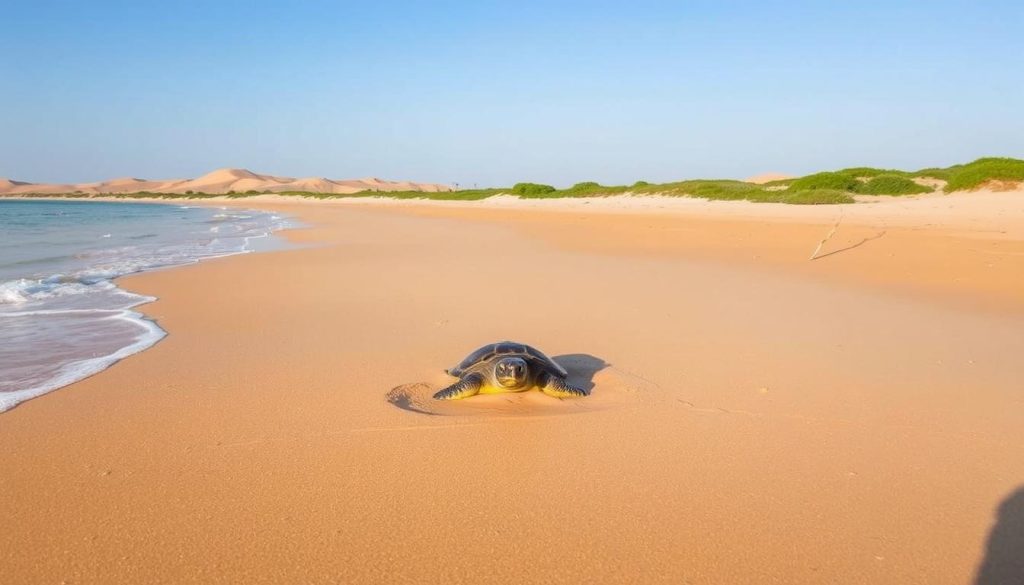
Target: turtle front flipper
[467, 386]
[557, 387]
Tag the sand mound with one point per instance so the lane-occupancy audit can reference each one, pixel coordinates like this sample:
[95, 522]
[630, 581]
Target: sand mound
[320, 185]
[228, 175]
[767, 178]
[224, 180]
[999, 186]
[47, 189]
[120, 185]
[930, 182]
[124, 181]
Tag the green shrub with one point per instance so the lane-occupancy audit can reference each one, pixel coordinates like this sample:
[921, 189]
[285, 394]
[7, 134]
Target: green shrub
[936, 173]
[810, 197]
[836, 181]
[584, 187]
[891, 185]
[869, 172]
[973, 175]
[723, 189]
[707, 189]
[531, 189]
[588, 189]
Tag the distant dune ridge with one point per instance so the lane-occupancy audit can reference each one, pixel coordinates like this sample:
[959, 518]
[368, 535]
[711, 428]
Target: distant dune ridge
[767, 178]
[219, 182]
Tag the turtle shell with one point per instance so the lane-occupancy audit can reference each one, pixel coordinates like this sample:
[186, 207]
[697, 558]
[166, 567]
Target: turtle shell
[533, 356]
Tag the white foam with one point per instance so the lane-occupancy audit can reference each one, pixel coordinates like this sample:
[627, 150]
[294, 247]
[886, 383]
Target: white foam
[81, 369]
[48, 312]
[13, 292]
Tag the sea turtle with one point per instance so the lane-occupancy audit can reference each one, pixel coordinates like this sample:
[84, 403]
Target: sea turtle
[508, 366]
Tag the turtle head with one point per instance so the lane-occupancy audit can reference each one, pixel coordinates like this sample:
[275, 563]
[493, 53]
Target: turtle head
[510, 372]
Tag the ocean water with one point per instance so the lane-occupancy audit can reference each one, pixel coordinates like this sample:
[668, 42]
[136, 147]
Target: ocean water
[62, 316]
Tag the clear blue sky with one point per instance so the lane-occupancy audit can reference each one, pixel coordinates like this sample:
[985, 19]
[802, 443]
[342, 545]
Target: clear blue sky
[498, 92]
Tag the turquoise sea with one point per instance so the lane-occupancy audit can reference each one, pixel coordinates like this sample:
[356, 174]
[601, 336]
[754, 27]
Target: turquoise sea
[62, 315]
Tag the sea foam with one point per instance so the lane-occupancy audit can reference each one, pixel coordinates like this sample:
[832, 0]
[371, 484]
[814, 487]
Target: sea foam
[62, 316]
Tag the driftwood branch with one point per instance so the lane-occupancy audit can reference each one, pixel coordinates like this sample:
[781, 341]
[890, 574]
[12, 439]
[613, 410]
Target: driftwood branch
[831, 233]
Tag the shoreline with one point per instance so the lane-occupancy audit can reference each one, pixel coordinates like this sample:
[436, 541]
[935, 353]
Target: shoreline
[148, 334]
[869, 426]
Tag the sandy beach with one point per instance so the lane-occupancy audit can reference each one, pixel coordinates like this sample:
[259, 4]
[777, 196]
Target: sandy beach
[755, 417]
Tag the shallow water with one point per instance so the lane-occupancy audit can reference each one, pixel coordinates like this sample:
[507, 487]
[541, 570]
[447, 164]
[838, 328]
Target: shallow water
[62, 318]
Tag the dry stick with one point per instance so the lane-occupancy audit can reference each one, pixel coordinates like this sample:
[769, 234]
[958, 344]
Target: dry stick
[829, 236]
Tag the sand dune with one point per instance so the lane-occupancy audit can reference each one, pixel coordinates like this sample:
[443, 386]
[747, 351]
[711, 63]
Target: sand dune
[219, 181]
[767, 178]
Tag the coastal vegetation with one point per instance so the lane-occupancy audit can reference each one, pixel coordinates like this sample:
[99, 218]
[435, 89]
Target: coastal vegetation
[890, 184]
[836, 181]
[983, 170]
[531, 189]
[829, 187]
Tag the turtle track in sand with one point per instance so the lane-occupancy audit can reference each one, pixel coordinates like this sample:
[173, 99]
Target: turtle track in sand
[609, 388]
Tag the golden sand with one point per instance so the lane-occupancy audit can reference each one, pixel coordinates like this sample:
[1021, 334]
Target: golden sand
[755, 417]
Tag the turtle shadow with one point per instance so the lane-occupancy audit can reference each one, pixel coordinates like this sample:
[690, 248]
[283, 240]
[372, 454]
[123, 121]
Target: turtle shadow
[582, 368]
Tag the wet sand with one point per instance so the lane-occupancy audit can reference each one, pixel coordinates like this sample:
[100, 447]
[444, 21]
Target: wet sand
[755, 416]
